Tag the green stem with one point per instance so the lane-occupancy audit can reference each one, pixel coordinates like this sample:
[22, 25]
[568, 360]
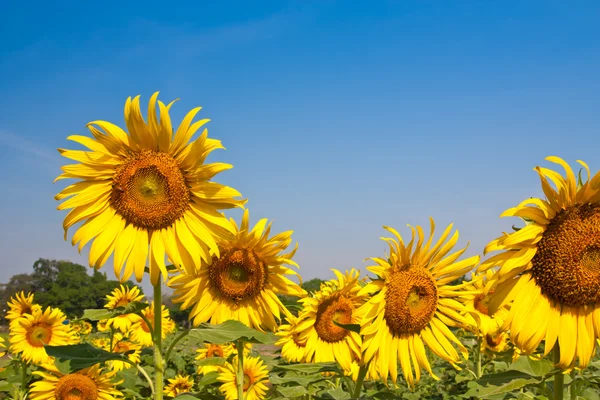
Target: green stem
[23, 378]
[362, 372]
[559, 378]
[572, 387]
[240, 370]
[143, 372]
[112, 335]
[158, 360]
[177, 339]
[478, 371]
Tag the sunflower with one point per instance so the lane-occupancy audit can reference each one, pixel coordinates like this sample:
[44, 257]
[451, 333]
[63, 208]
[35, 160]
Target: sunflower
[122, 344]
[2, 351]
[209, 350]
[169, 326]
[496, 342]
[21, 304]
[141, 333]
[337, 301]
[292, 348]
[179, 384]
[550, 269]
[243, 282]
[412, 305]
[121, 297]
[256, 376]
[31, 332]
[476, 299]
[146, 193]
[102, 326]
[88, 384]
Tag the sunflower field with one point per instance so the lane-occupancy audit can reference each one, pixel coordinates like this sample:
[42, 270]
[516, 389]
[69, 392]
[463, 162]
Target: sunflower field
[521, 321]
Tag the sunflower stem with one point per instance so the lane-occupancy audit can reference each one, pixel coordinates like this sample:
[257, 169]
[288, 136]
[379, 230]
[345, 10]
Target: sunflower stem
[23, 378]
[158, 360]
[143, 372]
[572, 387]
[240, 370]
[362, 372]
[177, 339]
[112, 335]
[559, 378]
[478, 370]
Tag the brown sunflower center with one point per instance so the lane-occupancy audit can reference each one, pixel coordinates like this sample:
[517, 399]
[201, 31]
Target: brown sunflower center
[76, 387]
[299, 342]
[214, 351]
[567, 262]
[121, 347]
[26, 310]
[122, 303]
[149, 190]
[482, 302]
[238, 275]
[410, 300]
[336, 308]
[493, 340]
[39, 334]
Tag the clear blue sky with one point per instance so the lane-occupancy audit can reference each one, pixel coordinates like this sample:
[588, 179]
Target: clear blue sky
[339, 117]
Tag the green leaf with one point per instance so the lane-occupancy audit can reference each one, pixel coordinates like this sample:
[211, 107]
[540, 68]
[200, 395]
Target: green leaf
[97, 314]
[537, 368]
[336, 393]
[211, 361]
[309, 368]
[289, 392]
[302, 380]
[230, 331]
[82, 355]
[203, 396]
[101, 314]
[208, 379]
[349, 327]
[130, 378]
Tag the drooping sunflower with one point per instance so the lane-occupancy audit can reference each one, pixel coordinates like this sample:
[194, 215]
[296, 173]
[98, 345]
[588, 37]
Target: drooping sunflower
[338, 300]
[412, 305]
[243, 282]
[88, 384]
[141, 333]
[209, 350]
[146, 192]
[21, 304]
[550, 269]
[256, 376]
[31, 332]
[120, 297]
[293, 348]
[179, 384]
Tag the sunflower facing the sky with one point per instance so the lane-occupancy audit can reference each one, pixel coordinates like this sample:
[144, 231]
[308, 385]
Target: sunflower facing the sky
[121, 297]
[292, 348]
[88, 384]
[550, 268]
[179, 384]
[146, 193]
[31, 332]
[241, 283]
[141, 333]
[412, 305]
[255, 377]
[337, 300]
[21, 304]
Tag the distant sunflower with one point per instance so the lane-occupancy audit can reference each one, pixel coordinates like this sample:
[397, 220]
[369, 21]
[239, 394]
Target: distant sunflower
[102, 326]
[255, 377]
[146, 192]
[496, 342]
[243, 282]
[179, 384]
[412, 305]
[141, 333]
[2, 351]
[169, 326]
[21, 304]
[122, 344]
[338, 300]
[31, 332]
[293, 348]
[121, 297]
[550, 269]
[88, 384]
[209, 350]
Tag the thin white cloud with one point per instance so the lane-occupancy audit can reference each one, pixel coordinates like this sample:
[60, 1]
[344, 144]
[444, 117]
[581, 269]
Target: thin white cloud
[12, 141]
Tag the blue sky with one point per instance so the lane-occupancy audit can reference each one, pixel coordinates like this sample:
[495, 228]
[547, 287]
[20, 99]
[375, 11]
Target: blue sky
[339, 117]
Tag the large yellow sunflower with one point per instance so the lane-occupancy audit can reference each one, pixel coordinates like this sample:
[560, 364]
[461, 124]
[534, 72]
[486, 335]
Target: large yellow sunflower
[141, 333]
[243, 282]
[88, 384]
[146, 193]
[293, 348]
[338, 300]
[550, 269]
[31, 332]
[120, 297]
[21, 304]
[412, 305]
[179, 384]
[255, 377]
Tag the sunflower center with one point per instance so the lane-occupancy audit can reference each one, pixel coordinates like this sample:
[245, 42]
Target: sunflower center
[26, 310]
[39, 334]
[247, 381]
[481, 303]
[238, 275]
[76, 387]
[336, 308]
[214, 351]
[122, 303]
[150, 190]
[493, 340]
[410, 300]
[121, 347]
[567, 262]
[296, 338]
